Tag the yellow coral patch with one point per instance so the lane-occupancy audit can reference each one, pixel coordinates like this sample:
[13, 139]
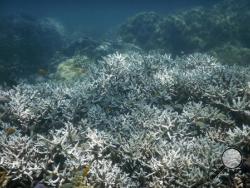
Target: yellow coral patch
[72, 68]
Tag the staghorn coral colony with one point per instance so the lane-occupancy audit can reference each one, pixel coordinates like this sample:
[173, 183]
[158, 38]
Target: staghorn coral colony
[158, 111]
[135, 120]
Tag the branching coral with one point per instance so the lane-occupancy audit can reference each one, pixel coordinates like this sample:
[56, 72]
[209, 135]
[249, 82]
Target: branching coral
[139, 120]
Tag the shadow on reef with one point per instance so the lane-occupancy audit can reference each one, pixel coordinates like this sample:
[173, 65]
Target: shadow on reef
[220, 30]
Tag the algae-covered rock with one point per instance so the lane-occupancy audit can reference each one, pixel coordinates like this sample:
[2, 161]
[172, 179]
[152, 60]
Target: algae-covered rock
[73, 68]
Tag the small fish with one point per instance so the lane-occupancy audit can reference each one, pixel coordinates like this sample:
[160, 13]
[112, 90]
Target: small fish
[85, 170]
[9, 131]
[42, 72]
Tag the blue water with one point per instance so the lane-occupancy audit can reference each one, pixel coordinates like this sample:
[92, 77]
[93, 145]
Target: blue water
[96, 16]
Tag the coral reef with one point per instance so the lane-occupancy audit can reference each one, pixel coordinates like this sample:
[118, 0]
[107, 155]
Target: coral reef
[95, 49]
[138, 120]
[142, 29]
[71, 63]
[220, 30]
[26, 44]
[72, 68]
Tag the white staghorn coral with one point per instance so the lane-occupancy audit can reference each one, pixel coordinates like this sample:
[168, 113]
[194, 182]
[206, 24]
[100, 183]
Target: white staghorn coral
[139, 120]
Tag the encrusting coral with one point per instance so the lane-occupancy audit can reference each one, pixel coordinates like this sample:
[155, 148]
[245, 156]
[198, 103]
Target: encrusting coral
[138, 120]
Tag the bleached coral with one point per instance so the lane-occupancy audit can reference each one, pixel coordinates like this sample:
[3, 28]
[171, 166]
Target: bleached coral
[139, 120]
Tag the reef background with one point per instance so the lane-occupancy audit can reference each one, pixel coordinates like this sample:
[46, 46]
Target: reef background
[95, 16]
